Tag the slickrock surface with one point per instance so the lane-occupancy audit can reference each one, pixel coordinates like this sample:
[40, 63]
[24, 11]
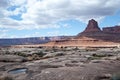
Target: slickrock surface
[70, 63]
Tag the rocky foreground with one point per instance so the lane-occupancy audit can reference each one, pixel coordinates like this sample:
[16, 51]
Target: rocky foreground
[65, 63]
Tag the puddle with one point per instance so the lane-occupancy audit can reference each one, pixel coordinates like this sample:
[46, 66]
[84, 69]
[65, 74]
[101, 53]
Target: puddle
[116, 77]
[18, 70]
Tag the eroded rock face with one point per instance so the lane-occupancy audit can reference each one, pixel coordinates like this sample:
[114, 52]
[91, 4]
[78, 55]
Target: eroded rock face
[115, 29]
[92, 26]
[92, 30]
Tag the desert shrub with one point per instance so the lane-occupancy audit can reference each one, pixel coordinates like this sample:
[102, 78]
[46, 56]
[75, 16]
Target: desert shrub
[59, 54]
[93, 58]
[40, 47]
[62, 47]
[98, 56]
[101, 55]
[20, 54]
[76, 48]
[7, 52]
[91, 49]
[6, 78]
[39, 53]
[54, 48]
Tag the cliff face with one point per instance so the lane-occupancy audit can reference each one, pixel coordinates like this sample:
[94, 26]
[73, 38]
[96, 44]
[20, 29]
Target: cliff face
[115, 29]
[106, 34]
[92, 30]
[92, 26]
[28, 41]
[21, 41]
[92, 36]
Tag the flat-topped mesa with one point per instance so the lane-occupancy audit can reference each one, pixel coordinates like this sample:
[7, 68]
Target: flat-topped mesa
[114, 29]
[92, 26]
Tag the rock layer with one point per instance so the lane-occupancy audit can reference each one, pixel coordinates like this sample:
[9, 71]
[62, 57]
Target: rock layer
[111, 34]
[92, 36]
[115, 29]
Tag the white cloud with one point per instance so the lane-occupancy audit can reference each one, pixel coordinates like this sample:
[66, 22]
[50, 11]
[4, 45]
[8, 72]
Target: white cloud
[9, 23]
[4, 3]
[3, 35]
[17, 2]
[46, 13]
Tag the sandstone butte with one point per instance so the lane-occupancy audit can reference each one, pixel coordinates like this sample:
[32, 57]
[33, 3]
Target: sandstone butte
[92, 36]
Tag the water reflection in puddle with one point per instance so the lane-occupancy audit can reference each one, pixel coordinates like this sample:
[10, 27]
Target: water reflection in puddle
[116, 77]
[18, 70]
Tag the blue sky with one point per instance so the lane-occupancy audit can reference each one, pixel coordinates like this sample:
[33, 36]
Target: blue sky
[36, 18]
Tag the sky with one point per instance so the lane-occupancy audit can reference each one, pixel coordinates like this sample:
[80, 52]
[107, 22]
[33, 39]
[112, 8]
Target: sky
[39, 18]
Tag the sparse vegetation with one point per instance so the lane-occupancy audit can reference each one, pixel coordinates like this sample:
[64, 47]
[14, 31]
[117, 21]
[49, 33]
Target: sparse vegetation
[101, 55]
[39, 53]
[20, 54]
[7, 52]
[55, 49]
[91, 49]
[36, 55]
[59, 54]
[6, 78]
[98, 56]
[76, 48]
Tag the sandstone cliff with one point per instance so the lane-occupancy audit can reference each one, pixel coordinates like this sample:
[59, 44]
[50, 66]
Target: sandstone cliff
[107, 34]
[92, 26]
[115, 29]
[92, 36]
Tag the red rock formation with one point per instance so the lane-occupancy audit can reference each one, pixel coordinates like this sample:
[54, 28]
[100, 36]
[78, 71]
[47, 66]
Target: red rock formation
[93, 31]
[92, 26]
[92, 36]
[115, 29]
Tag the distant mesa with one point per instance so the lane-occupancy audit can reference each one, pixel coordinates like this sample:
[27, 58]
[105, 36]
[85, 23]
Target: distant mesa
[115, 29]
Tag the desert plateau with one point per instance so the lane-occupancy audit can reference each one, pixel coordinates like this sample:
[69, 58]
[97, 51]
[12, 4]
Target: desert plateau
[59, 39]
